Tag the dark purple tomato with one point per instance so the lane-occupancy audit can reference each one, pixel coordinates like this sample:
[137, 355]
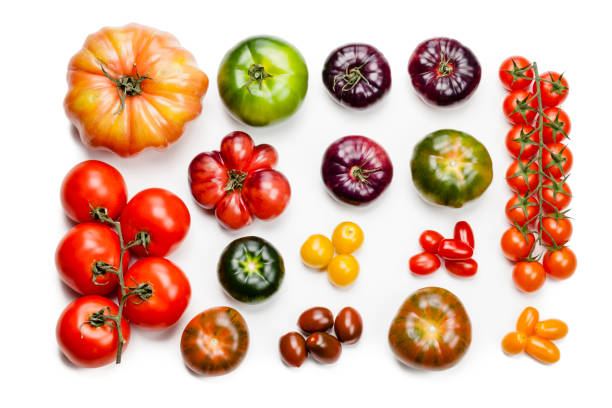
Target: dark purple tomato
[443, 71]
[316, 319]
[357, 75]
[323, 347]
[356, 169]
[293, 349]
[348, 325]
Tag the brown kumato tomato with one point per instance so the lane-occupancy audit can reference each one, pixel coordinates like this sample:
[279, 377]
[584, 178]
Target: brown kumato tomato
[215, 341]
[431, 330]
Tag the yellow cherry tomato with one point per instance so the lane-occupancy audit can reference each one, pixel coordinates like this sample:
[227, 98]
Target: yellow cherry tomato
[527, 321]
[514, 343]
[347, 237]
[551, 329]
[542, 350]
[343, 270]
[317, 251]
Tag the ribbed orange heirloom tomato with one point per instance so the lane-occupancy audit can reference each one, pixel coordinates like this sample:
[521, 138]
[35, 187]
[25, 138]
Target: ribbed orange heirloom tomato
[132, 87]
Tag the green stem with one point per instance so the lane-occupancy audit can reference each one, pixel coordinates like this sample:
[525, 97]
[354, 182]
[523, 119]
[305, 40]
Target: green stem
[351, 78]
[257, 73]
[127, 85]
[362, 175]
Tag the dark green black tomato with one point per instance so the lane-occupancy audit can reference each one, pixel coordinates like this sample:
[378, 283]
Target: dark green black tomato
[262, 80]
[250, 269]
[450, 167]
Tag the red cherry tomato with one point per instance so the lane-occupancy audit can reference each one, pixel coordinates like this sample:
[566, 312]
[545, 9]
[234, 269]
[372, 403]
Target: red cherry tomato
[85, 337]
[529, 276]
[520, 107]
[513, 71]
[522, 177]
[86, 248]
[554, 89]
[96, 184]
[525, 134]
[430, 240]
[514, 245]
[424, 263]
[555, 195]
[162, 293]
[520, 210]
[467, 267]
[560, 263]
[454, 249]
[557, 160]
[559, 230]
[463, 232]
[161, 215]
[556, 125]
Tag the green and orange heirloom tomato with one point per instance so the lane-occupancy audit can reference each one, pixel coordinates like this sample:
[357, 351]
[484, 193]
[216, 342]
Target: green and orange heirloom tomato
[262, 80]
[431, 330]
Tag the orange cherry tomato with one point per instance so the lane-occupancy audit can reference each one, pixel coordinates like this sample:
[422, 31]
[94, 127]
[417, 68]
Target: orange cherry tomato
[529, 276]
[514, 343]
[551, 329]
[542, 350]
[132, 87]
[343, 270]
[527, 321]
[560, 263]
[317, 251]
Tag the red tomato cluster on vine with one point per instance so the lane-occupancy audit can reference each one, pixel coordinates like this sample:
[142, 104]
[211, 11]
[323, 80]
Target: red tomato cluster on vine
[93, 259]
[538, 174]
[456, 252]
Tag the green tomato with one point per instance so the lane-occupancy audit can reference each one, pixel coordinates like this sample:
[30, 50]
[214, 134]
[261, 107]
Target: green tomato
[250, 269]
[450, 167]
[262, 80]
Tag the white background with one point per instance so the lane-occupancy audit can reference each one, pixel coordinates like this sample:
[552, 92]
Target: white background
[39, 148]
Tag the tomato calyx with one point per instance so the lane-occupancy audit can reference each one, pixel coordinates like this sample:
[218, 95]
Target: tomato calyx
[361, 174]
[257, 73]
[557, 85]
[523, 203]
[557, 160]
[524, 170]
[518, 72]
[556, 126]
[522, 107]
[99, 319]
[235, 180]
[127, 85]
[524, 140]
[143, 291]
[351, 78]
[100, 268]
[557, 188]
[445, 67]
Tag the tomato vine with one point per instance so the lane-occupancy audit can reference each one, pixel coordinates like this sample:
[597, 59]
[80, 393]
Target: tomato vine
[524, 167]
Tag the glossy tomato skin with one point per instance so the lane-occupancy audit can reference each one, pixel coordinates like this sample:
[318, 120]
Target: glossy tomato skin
[556, 123]
[170, 96]
[317, 251]
[356, 170]
[78, 252]
[551, 329]
[424, 263]
[557, 160]
[324, 347]
[556, 195]
[83, 344]
[166, 296]
[556, 231]
[517, 102]
[522, 176]
[514, 343]
[444, 72]
[159, 213]
[316, 319]
[527, 321]
[463, 268]
[93, 183]
[521, 210]
[292, 348]
[348, 326]
[463, 232]
[560, 263]
[343, 269]
[347, 237]
[515, 246]
[527, 134]
[275, 97]
[250, 269]
[512, 64]
[357, 75]
[431, 330]
[215, 341]
[454, 250]
[529, 276]
[239, 182]
[430, 240]
[553, 94]
[543, 350]
[450, 168]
